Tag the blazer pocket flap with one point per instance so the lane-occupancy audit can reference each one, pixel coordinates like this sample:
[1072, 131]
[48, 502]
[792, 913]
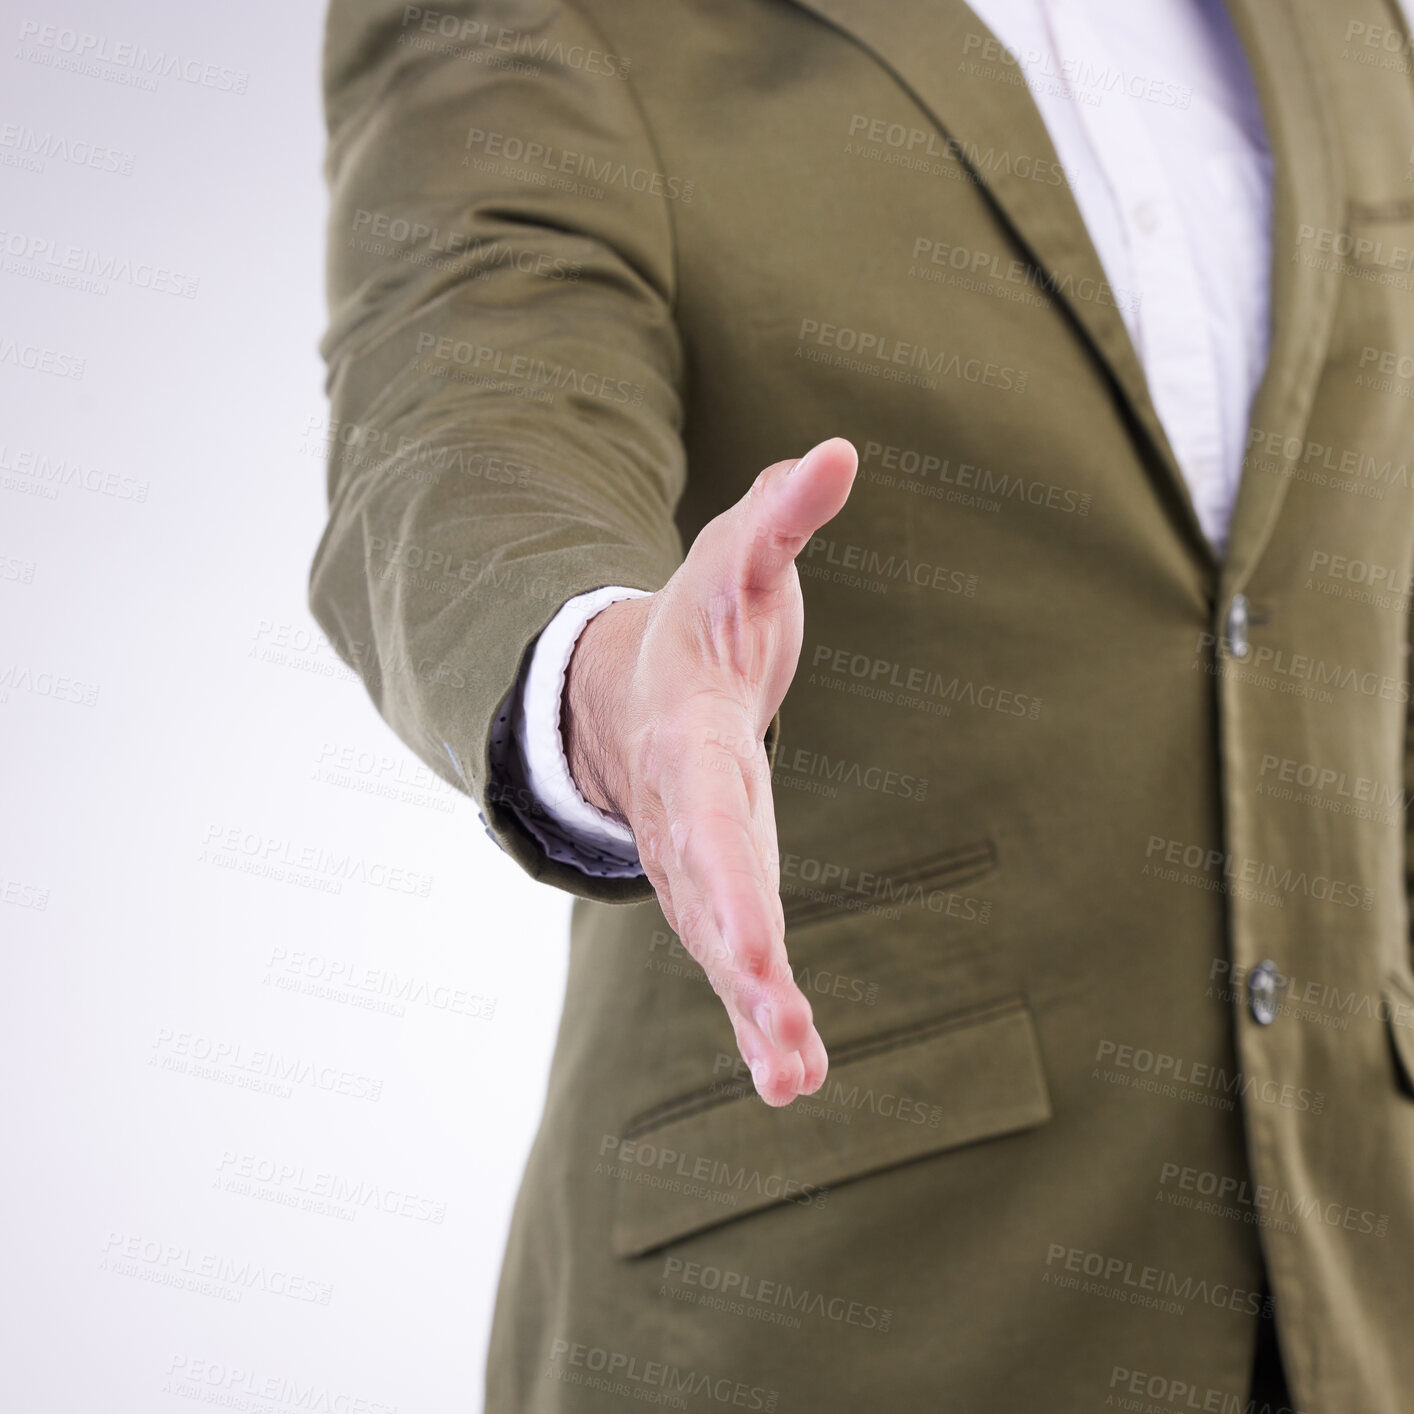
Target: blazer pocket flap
[808, 900]
[887, 1100]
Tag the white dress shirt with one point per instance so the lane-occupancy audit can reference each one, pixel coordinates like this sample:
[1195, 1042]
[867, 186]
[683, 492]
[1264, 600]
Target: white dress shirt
[1153, 113]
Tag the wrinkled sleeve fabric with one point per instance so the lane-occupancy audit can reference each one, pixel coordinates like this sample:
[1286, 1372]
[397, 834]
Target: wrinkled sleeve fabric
[504, 371]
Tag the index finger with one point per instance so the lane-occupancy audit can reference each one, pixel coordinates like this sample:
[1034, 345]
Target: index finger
[722, 876]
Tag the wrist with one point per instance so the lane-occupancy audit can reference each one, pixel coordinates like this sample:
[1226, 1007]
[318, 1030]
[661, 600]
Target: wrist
[594, 701]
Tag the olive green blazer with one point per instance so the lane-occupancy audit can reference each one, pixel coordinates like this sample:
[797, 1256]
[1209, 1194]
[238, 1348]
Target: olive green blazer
[1052, 782]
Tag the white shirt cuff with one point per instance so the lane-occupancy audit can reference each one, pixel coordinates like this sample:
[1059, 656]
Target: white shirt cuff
[538, 734]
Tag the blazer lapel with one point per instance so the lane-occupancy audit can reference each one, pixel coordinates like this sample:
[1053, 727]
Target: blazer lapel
[933, 47]
[928, 44]
[1308, 192]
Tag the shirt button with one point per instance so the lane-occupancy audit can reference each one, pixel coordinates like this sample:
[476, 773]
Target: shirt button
[1262, 992]
[1146, 217]
[1237, 620]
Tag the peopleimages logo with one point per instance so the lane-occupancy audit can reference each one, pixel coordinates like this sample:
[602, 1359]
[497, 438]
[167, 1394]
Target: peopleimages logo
[619, 1372]
[38, 359]
[930, 142]
[176, 1264]
[881, 673]
[489, 361]
[862, 565]
[1084, 81]
[1261, 874]
[239, 1387]
[744, 1287]
[1113, 1275]
[1329, 782]
[30, 145]
[61, 47]
[1299, 674]
[497, 39]
[42, 257]
[885, 351]
[1213, 1082]
[1269, 1202]
[728, 1181]
[829, 772]
[908, 467]
[542, 157]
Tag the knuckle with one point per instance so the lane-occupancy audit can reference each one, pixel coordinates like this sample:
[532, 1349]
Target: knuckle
[756, 959]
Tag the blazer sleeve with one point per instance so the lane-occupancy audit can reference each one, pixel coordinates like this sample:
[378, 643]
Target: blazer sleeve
[504, 370]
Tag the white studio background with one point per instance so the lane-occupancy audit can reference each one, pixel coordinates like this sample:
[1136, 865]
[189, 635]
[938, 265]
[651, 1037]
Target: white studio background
[179, 1230]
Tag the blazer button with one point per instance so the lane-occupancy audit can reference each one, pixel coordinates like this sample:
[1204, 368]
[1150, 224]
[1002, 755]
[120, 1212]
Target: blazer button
[1237, 620]
[1262, 992]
